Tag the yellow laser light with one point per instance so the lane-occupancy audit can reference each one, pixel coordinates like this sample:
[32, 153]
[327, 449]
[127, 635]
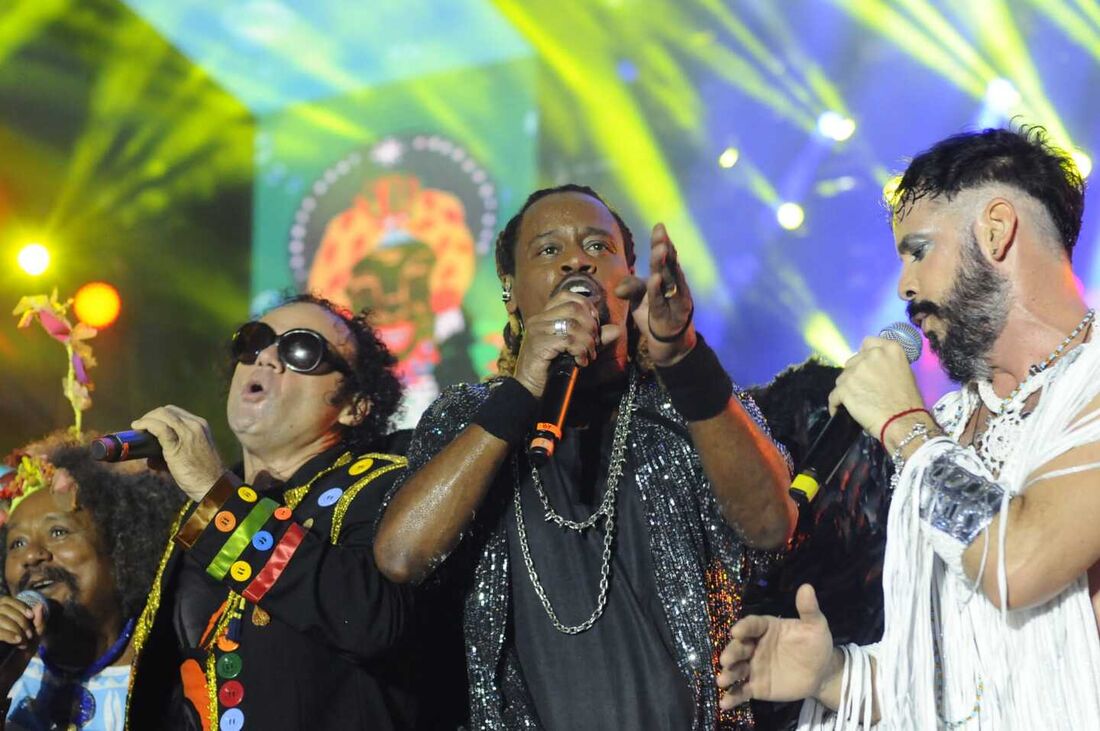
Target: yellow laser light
[1082, 161]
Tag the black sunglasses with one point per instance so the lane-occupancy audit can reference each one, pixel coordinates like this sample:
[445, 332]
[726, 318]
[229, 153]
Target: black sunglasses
[301, 350]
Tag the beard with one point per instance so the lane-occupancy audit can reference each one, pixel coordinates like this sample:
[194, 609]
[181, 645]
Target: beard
[973, 313]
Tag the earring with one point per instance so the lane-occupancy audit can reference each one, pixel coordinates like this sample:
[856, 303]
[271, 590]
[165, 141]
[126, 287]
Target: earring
[506, 295]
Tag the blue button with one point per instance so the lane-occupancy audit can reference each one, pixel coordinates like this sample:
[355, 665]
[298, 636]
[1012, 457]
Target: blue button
[232, 720]
[329, 497]
[262, 541]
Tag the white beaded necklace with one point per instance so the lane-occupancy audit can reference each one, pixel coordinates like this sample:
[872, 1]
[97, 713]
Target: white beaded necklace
[1006, 416]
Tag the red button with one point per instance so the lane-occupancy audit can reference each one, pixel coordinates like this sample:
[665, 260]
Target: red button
[231, 693]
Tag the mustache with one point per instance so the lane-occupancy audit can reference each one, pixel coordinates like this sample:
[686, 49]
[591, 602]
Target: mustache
[922, 307]
[50, 573]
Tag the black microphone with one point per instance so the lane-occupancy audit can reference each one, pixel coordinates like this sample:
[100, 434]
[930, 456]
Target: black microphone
[560, 380]
[32, 599]
[841, 431]
[124, 445]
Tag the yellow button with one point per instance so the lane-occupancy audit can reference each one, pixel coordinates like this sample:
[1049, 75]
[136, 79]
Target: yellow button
[240, 571]
[247, 494]
[361, 466]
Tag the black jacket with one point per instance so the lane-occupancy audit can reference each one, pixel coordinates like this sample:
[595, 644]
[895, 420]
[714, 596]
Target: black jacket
[311, 635]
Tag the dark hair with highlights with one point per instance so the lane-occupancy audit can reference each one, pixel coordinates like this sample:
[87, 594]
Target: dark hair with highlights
[506, 259]
[1022, 158]
[372, 378]
[132, 508]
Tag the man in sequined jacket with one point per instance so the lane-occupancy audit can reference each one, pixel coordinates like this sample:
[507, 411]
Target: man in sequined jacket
[267, 611]
[608, 613]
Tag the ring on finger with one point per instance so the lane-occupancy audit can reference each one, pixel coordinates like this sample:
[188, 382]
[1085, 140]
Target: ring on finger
[561, 327]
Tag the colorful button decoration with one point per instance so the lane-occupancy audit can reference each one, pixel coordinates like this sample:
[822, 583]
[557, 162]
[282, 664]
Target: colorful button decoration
[263, 541]
[229, 665]
[247, 494]
[225, 521]
[232, 720]
[361, 466]
[329, 497]
[240, 570]
[282, 513]
[231, 693]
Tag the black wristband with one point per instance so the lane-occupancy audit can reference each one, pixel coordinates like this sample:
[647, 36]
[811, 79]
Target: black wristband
[698, 385]
[509, 411]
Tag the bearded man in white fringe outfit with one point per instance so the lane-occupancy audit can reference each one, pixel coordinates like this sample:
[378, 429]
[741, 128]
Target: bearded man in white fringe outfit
[991, 578]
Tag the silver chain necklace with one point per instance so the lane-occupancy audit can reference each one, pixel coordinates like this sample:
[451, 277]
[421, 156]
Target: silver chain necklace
[606, 509]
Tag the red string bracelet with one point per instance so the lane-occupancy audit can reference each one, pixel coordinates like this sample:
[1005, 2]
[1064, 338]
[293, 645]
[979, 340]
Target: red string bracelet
[895, 417]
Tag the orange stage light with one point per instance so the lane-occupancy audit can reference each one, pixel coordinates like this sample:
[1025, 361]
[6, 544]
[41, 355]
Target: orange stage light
[97, 304]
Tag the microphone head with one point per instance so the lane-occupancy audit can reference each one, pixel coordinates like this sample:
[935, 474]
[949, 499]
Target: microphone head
[102, 449]
[905, 335]
[32, 599]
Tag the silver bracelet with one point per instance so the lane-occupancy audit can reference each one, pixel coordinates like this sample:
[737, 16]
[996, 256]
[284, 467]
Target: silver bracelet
[918, 431]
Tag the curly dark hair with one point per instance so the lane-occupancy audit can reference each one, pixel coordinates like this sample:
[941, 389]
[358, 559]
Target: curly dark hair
[133, 509]
[1022, 158]
[372, 378]
[505, 255]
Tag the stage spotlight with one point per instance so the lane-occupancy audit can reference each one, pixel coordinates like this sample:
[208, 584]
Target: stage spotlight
[1082, 161]
[835, 126]
[1001, 96]
[34, 259]
[790, 215]
[729, 157]
[97, 304]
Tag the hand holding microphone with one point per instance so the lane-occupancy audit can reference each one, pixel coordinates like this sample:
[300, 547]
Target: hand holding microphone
[187, 448]
[23, 619]
[557, 342]
[876, 384]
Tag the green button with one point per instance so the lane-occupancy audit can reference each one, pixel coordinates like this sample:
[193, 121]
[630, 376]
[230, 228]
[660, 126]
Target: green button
[229, 665]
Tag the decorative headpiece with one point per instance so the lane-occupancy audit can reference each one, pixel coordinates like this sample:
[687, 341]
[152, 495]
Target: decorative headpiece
[52, 316]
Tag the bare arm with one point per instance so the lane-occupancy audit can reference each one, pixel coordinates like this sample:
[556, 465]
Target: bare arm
[429, 514]
[1050, 538]
[748, 475]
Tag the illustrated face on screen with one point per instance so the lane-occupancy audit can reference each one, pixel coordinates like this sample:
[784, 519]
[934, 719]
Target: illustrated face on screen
[397, 228]
[394, 283]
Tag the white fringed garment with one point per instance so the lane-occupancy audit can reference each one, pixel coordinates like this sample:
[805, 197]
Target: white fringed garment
[1036, 668]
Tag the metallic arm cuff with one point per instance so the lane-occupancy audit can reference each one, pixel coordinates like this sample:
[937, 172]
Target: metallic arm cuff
[957, 497]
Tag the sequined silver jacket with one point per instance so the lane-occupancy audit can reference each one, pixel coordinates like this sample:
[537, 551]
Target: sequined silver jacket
[700, 563]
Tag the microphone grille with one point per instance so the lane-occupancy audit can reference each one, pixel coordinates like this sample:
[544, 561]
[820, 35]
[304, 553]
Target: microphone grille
[905, 335]
[33, 599]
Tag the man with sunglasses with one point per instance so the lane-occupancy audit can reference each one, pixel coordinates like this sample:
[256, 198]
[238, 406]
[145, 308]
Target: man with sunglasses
[268, 611]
